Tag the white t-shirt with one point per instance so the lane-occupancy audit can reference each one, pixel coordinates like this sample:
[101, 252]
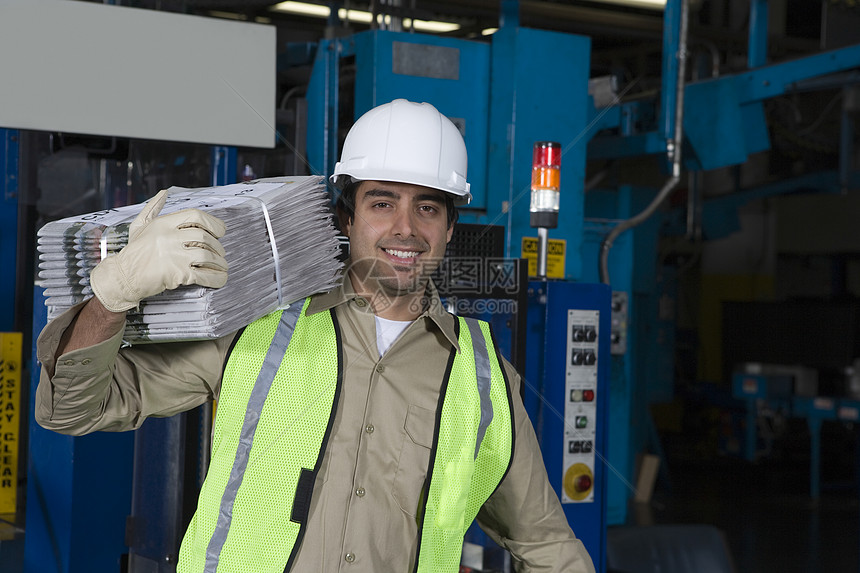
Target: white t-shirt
[387, 332]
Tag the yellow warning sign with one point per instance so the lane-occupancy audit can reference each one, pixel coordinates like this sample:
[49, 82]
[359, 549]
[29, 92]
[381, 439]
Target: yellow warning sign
[10, 420]
[554, 256]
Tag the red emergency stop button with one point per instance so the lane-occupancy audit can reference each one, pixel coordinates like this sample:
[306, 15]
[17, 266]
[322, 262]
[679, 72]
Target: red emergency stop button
[588, 395]
[578, 482]
[582, 483]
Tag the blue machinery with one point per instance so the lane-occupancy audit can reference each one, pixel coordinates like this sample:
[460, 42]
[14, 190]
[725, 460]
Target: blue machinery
[530, 85]
[776, 393]
[526, 85]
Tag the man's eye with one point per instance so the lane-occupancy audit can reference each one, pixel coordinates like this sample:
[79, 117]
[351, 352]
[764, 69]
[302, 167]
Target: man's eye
[428, 208]
[381, 204]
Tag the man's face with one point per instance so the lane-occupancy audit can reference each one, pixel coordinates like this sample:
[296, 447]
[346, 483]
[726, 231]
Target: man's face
[397, 237]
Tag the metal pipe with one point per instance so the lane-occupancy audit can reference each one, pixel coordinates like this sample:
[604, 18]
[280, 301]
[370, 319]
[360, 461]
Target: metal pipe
[672, 22]
[673, 149]
[542, 248]
[757, 46]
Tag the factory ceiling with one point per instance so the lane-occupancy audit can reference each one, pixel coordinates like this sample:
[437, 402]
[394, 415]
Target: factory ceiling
[612, 27]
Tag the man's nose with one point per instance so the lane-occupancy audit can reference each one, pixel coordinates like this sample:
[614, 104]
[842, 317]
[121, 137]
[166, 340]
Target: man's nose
[404, 223]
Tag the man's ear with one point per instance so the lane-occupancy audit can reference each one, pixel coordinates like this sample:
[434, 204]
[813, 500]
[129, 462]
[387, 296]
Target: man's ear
[344, 221]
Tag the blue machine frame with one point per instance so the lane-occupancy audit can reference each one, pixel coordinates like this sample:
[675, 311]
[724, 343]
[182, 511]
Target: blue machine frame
[776, 393]
[550, 384]
[510, 77]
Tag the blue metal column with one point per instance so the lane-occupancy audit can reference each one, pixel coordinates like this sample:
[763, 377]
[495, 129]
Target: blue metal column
[155, 525]
[751, 388]
[323, 105]
[78, 488]
[669, 90]
[78, 492]
[509, 14]
[224, 165]
[539, 92]
[8, 225]
[815, 410]
[757, 49]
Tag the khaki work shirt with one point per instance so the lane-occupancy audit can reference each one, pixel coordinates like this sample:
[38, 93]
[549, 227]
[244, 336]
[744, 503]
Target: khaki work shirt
[363, 511]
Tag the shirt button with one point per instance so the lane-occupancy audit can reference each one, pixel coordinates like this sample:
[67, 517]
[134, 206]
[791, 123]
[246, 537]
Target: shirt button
[380, 368]
[369, 428]
[349, 557]
[360, 492]
[85, 361]
[69, 362]
[360, 302]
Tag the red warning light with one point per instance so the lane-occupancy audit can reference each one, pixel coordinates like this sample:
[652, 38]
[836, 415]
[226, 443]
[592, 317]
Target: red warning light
[546, 166]
[546, 154]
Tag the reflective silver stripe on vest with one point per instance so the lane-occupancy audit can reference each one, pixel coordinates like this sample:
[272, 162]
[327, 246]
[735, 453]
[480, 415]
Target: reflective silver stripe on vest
[482, 369]
[274, 357]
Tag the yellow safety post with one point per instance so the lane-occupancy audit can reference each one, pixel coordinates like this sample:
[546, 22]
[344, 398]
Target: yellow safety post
[10, 420]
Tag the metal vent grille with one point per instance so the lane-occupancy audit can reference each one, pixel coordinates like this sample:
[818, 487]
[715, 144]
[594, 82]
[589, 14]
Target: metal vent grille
[471, 249]
[472, 240]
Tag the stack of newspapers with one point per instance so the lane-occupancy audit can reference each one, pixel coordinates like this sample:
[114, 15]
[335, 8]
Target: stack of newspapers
[281, 247]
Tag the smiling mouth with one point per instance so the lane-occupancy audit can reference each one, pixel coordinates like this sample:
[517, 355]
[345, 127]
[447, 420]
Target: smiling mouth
[405, 255]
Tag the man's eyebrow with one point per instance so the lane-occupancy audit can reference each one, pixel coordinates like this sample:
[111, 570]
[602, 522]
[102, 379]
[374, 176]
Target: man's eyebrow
[388, 194]
[381, 193]
[430, 197]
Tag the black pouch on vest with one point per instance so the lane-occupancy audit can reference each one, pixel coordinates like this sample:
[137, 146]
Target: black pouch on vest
[302, 499]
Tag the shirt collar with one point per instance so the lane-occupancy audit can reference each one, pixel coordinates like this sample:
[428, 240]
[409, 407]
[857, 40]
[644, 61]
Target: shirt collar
[345, 293]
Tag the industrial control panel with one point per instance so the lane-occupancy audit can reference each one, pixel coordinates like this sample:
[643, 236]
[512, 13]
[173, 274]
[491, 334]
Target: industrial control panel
[580, 409]
[566, 392]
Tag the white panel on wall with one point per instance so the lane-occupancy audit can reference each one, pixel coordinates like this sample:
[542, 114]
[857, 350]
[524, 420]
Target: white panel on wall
[100, 69]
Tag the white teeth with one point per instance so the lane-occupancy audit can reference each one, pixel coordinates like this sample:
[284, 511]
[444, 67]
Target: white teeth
[402, 254]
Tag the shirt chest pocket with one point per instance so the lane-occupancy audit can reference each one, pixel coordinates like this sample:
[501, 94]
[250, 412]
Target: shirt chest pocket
[414, 458]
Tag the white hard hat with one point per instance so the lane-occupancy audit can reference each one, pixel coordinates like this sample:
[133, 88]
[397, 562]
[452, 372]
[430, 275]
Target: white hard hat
[405, 142]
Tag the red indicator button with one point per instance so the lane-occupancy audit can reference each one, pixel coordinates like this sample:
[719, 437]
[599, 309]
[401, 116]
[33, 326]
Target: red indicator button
[588, 395]
[582, 483]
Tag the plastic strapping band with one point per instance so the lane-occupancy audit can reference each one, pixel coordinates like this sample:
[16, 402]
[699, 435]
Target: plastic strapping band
[271, 232]
[277, 261]
[103, 245]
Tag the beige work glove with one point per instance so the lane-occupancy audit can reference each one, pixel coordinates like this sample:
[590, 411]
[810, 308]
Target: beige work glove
[162, 253]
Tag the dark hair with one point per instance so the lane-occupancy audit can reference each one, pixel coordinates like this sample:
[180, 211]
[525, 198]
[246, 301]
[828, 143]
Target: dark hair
[346, 204]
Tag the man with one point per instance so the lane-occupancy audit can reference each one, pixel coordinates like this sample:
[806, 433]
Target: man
[360, 430]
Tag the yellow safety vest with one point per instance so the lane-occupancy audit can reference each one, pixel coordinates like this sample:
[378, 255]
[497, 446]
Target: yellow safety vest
[278, 400]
